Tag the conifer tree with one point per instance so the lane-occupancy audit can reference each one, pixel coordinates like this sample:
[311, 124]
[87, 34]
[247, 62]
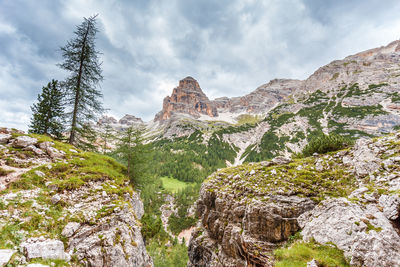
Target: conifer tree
[131, 151]
[47, 113]
[106, 137]
[81, 60]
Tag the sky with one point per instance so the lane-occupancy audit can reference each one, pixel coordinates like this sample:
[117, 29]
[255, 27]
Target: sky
[229, 46]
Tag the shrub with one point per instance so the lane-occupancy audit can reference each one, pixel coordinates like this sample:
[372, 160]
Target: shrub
[4, 172]
[325, 143]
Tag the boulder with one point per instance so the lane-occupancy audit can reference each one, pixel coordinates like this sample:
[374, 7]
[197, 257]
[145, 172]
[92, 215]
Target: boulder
[34, 149]
[24, 141]
[4, 138]
[115, 241]
[45, 145]
[362, 231]
[312, 263]
[70, 229]
[55, 199]
[391, 206]
[281, 160]
[55, 153]
[365, 159]
[5, 256]
[46, 249]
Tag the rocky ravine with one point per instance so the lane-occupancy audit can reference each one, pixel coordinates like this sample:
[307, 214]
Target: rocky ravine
[349, 198]
[66, 206]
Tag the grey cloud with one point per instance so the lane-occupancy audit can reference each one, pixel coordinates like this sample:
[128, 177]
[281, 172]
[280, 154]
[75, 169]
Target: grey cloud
[230, 46]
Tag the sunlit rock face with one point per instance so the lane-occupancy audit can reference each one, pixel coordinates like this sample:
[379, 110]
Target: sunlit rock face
[187, 98]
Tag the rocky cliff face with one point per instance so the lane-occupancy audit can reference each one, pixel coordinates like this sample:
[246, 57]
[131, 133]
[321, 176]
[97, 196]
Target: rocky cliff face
[263, 99]
[187, 98]
[348, 198]
[62, 205]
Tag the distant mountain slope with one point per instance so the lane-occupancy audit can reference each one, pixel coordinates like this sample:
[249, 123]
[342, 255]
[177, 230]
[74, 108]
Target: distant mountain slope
[356, 96]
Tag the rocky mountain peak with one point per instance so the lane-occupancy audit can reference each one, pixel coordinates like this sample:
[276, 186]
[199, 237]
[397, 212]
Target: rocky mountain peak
[187, 98]
[130, 120]
[190, 82]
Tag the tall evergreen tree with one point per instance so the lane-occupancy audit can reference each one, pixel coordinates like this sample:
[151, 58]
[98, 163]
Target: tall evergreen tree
[81, 60]
[131, 151]
[47, 113]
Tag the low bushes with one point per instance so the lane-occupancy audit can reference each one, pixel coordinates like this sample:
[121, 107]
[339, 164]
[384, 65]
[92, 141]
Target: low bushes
[325, 143]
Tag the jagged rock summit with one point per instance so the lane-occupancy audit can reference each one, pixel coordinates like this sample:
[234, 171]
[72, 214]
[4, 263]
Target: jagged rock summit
[187, 98]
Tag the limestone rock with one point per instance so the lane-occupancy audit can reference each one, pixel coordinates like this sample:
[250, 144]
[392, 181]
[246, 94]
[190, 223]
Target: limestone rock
[46, 249]
[70, 229]
[55, 199]
[137, 205]
[362, 232]
[24, 141]
[5, 256]
[365, 159]
[238, 230]
[312, 263]
[35, 150]
[116, 241]
[55, 153]
[391, 206]
[4, 138]
[45, 145]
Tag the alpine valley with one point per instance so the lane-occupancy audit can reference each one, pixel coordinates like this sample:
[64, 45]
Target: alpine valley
[244, 213]
[226, 181]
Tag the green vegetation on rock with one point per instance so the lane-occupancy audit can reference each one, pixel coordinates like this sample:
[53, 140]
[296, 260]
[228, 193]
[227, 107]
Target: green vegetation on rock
[302, 252]
[299, 177]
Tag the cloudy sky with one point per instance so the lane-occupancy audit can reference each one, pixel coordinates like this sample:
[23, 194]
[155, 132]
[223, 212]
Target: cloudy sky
[230, 46]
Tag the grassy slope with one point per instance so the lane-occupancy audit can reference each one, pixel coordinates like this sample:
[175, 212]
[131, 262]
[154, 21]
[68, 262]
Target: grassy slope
[49, 220]
[315, 105]
[299, 253]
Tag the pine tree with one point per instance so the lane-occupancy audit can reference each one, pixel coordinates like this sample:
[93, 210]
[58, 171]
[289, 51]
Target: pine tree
[106, 137]
[131, 151]
[48, 112]
[81, 59]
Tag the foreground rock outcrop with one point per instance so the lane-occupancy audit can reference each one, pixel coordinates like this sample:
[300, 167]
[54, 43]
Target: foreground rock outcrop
[349, 199]
[61, 204]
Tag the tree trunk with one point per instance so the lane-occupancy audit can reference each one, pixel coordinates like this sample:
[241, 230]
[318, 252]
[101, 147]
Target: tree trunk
[78, 87]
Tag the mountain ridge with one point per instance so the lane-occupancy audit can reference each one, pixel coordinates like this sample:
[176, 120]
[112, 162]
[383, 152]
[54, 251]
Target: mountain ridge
[356, 96]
